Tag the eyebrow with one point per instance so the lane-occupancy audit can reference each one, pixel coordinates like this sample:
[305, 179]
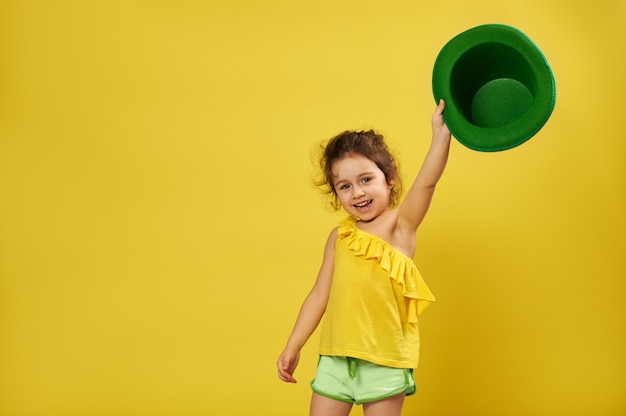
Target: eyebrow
[338, 182]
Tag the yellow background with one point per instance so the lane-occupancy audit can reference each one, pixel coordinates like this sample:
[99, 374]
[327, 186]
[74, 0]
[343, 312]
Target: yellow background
[159, 230]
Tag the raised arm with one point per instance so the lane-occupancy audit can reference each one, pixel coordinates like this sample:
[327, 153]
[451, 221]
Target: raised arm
[310, 314]
[417, 201]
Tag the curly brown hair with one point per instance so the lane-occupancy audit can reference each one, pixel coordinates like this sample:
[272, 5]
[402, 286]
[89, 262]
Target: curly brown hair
[366, 143]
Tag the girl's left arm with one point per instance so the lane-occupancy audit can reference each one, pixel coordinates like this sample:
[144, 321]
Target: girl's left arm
[417, 201]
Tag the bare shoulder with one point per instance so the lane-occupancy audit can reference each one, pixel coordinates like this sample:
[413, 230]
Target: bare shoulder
[393, 230]
[332, 237]
[325, 274]
[329, 249]
[383, 226]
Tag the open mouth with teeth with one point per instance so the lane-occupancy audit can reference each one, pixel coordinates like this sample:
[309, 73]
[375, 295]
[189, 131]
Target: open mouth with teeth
[361, 206]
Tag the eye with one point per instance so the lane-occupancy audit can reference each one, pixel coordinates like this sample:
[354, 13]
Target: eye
[344, 186]
[366, 179]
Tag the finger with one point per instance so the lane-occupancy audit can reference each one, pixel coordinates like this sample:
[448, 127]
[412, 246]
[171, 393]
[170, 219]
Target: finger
[441, 106]
[286, 377]
[283, 370]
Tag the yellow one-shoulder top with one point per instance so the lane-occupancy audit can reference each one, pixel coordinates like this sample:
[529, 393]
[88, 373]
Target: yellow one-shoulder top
[376, 296]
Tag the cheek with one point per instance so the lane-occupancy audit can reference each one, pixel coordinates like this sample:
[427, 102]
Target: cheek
[345, 200]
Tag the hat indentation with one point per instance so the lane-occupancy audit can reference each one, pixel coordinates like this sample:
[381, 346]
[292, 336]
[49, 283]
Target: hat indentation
[500, 102]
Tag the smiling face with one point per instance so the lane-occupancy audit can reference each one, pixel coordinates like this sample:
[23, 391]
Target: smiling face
[361, 186]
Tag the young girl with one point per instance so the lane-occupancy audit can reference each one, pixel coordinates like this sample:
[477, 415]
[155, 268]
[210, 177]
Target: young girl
[368, 286]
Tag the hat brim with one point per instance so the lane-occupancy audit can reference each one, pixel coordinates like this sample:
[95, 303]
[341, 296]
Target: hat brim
[498, 87]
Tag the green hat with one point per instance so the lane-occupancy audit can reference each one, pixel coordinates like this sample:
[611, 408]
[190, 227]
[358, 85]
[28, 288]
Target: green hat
[498, 87]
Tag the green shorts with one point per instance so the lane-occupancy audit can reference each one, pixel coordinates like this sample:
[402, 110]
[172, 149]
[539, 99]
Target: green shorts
[357, 381]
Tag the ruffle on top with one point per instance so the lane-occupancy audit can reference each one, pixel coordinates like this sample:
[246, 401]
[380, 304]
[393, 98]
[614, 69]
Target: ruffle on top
[400, 267]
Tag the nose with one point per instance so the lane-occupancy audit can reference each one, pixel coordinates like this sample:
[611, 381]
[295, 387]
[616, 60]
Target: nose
[357, 192]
